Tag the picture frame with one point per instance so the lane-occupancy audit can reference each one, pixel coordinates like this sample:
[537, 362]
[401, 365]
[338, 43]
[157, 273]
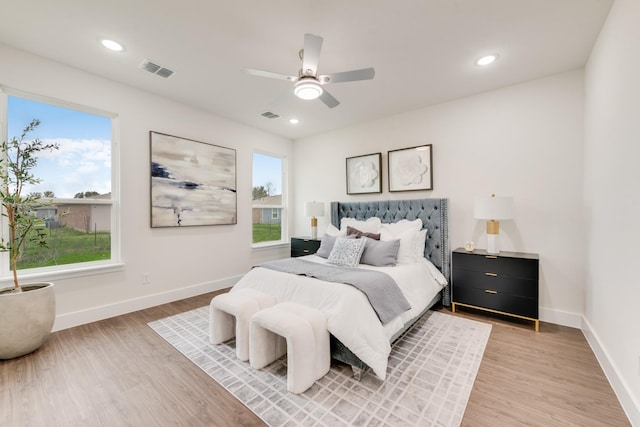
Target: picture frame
[364, 174]
[410, 169]
[193, 183]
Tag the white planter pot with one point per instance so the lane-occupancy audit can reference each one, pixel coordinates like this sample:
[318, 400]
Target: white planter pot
[26, 319]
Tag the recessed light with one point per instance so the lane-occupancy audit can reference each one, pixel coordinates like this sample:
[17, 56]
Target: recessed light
[486, 60]
[294, 121]
[111, 44]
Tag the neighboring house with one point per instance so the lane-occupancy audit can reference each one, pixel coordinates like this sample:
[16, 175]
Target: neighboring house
[264, 213]
[86, 217]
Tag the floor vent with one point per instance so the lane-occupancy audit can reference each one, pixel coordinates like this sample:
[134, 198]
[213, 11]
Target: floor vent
[156, 69]
[269, 115]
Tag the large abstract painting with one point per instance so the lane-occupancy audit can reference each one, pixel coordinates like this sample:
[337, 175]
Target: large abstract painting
[192, 183]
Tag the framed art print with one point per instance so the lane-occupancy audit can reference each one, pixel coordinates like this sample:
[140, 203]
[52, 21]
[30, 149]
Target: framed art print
[411, 169]
[192, 183]
[364, 174]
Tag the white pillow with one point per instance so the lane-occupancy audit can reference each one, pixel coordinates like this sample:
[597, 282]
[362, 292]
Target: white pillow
[402, 225]
[407, 249]
[421, 241]
[371, 225]
[333, 231]
[346, 252]
[407, 232]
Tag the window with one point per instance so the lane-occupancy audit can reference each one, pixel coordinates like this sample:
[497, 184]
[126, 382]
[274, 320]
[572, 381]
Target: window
[269, 200]
[76, 181]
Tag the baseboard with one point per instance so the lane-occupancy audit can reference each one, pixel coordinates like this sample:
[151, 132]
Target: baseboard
[629, 403]
[558, 317]
[69, 320]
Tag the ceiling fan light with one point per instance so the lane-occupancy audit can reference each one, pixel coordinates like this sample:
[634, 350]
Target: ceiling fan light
[307, 89]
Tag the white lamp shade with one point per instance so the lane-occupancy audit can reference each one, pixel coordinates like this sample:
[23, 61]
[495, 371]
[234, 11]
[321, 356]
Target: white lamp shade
[314, 209]
[497, 208]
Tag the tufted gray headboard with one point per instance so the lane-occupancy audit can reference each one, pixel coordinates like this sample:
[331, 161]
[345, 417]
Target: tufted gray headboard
[432, 212]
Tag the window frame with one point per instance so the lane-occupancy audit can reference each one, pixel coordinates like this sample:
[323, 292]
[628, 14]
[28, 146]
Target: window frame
[283, 206]
[76, 269]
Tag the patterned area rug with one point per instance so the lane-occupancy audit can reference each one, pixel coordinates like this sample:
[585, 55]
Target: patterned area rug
[431, 371]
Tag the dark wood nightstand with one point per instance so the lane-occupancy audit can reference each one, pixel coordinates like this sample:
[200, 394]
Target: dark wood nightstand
[304, 246]
[505, 283]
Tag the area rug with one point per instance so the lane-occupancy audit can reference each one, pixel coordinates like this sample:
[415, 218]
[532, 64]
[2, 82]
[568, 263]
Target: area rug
[431, 371]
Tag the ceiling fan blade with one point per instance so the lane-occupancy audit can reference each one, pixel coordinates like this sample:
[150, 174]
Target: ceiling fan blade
[311, 54]
[349, 76]
[269, 74]
[329, 100]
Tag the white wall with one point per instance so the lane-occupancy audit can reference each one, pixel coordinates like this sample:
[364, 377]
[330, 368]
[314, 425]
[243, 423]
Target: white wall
[182, 262]
[612, 201]
[524, 140]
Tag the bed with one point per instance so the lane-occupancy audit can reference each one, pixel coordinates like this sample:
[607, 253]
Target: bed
[358, 337]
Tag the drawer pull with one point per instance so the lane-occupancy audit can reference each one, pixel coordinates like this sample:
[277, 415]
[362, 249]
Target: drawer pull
[491, 274]
[490, 291]
[491, 256]
[305, 251]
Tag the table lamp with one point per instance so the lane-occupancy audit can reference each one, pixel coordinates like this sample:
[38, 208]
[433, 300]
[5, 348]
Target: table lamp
[314, 210]
[493, 209]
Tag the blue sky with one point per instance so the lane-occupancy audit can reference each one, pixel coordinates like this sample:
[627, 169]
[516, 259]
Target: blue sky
[267, 169]
[83, 162]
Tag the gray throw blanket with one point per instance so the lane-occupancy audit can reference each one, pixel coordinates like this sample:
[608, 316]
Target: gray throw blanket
[383, 292]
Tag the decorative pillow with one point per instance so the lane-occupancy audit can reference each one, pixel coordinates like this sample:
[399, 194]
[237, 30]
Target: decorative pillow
[355, 232]
[326, 244]
[346, 252]
[371, 225]
[421, 241]
[380, 254]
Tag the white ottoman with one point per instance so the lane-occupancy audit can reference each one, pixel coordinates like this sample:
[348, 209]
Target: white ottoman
[230, 315]
[307, 342]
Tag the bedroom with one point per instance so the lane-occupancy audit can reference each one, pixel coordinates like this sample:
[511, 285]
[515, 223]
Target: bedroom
[565, 144]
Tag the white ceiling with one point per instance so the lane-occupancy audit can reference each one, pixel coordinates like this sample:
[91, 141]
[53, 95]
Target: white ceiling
[423, 51]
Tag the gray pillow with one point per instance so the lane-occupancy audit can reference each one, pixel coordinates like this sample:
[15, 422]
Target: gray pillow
[326, 245]
[380, 253]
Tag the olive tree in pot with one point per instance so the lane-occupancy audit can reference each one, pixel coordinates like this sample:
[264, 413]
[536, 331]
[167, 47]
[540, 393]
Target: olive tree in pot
[27, 312]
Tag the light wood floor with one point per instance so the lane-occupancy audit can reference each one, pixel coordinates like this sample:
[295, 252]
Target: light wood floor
[118, 372]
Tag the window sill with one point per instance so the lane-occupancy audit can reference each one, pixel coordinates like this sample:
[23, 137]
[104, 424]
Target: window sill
[52, 275]
[269, 245]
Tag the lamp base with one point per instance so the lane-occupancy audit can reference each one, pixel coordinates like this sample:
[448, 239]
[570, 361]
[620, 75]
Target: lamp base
[492, 244]
[314, 227]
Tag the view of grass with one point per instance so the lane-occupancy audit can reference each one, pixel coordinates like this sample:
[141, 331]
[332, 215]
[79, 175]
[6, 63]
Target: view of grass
[66, 246]
[266, 232]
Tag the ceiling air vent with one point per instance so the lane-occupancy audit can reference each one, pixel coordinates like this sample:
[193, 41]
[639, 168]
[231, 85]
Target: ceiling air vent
[269, 115]
[156, 69]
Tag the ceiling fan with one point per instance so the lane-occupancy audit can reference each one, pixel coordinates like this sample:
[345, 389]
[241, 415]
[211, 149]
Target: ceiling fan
[308, 84]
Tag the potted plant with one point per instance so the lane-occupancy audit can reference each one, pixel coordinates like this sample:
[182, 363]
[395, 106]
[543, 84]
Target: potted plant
[27, 312]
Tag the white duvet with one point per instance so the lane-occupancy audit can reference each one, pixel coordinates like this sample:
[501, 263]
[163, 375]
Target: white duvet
[350, 317]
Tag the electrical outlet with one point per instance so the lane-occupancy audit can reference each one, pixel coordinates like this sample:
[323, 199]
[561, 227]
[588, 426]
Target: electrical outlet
[146, 278]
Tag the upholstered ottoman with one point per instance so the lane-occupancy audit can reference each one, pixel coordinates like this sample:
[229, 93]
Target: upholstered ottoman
[230, 315]
[307, 342]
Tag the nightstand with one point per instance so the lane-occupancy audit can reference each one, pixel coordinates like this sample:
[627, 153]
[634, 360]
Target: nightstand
[304, 246]
[505, 283]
